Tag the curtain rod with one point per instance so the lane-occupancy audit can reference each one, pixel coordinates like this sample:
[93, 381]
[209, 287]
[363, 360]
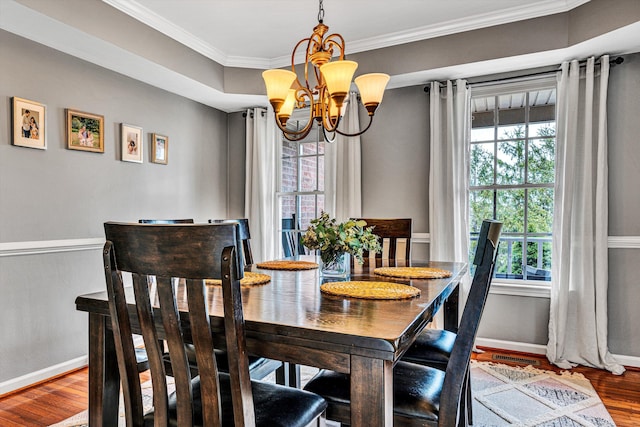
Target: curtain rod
[244, 114]
[612, 62]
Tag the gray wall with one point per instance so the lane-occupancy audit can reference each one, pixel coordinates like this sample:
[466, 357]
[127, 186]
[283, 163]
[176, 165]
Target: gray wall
[237, 132]
[395, 161]
[61, 194]
[624, 205]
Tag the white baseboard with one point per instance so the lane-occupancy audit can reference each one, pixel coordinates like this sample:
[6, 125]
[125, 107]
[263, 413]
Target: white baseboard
[632, 361]
[512, 345]
[42, 375]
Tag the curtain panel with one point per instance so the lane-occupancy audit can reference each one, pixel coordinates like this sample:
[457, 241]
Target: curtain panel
[578, 311]
[262, 137]
[449, 175]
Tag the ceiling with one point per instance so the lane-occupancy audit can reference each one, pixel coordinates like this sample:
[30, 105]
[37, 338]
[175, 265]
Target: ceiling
[262, 34]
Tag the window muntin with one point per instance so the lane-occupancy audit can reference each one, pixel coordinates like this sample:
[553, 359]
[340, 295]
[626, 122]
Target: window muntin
[301, 195]
[512, 172]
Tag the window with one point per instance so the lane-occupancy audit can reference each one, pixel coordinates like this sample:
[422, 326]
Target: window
[301, 195]
[512, 173]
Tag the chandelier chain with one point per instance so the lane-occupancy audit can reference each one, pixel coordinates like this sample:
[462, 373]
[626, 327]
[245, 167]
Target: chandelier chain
[321, 12]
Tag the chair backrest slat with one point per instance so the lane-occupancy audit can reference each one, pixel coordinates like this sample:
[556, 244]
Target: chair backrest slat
[160, 255]
[207, 368]
[123, 340]
[243, 410]
[459, 360]
[150, 335]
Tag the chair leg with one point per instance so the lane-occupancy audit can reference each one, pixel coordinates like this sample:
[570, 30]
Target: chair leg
[281, 377]
[469, 397]
[288, 374]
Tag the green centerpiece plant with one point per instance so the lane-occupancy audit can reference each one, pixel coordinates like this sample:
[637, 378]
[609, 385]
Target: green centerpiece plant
[333, 240]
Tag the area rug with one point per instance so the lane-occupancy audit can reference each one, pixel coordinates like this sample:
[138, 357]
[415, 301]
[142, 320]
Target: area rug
[503, 396]
[526, 396]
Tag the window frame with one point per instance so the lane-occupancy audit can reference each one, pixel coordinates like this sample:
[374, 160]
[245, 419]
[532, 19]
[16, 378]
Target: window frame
[512, 286]
[279, 195]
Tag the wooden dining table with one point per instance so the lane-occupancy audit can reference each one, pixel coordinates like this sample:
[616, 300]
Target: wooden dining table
[290, 319]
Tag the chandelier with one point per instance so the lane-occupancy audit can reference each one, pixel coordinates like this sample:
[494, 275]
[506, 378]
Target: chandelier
[326, 93]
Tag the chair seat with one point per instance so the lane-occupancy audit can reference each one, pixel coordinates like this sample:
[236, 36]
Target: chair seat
[416, 391]
[432, 348]
[275, 405]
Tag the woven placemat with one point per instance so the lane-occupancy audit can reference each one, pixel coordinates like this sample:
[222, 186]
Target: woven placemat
[370, 290]
[412, 272]
[287, 265]
[249, 279]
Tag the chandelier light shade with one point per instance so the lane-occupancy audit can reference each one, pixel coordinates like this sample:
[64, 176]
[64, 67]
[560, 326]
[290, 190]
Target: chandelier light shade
[371, 87]
[330, 83]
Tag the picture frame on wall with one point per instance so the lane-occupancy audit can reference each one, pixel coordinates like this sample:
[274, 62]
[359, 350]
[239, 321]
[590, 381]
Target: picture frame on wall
[160, 149]
[28, 123]
[132, 149]
[85, 131]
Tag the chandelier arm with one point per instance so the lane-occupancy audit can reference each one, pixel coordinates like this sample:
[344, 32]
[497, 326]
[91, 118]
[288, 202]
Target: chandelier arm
[327, 123]
[326, 137]
[288, 131]
[293, 135]
[357, 133]
[296, 138]
[330, 41]
[293, 60]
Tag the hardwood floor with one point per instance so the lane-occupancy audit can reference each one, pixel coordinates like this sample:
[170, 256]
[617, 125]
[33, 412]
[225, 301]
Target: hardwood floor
[46, 403]
[63, 397]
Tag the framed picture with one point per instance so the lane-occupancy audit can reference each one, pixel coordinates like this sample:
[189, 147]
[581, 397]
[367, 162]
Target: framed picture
[160, 149]
[131, 143]
[28, 124]
[85, 131]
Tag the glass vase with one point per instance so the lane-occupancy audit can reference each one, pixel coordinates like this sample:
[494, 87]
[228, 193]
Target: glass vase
[335, 265]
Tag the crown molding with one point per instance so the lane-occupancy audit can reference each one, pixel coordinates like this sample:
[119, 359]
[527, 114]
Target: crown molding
[520, 13]
[514, 14]
[168, 28]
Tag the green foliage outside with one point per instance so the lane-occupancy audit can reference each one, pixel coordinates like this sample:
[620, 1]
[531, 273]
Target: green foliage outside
[509, 202]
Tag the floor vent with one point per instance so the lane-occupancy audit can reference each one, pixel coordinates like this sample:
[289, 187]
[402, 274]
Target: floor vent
[515, 359]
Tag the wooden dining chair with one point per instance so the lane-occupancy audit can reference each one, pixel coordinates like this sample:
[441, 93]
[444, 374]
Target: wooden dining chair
[423, 395]
[259, 367]
[244, 234]
[292, 237]
[433, 347]
[190, 253]
[394, 234]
